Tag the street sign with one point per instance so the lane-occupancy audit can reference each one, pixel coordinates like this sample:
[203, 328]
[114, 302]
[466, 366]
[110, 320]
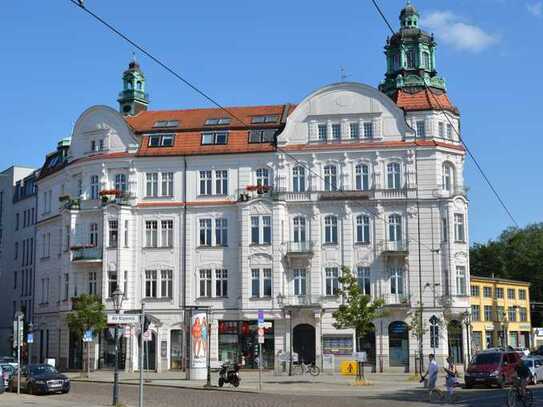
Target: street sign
[87, 336]
[123, 319]
[260, 316]
[260, 331]
[260, 339]
[30, 338]
[360, 356]
[147, 335]
[265, 325]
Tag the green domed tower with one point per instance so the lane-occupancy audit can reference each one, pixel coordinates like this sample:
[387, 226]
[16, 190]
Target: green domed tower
[411, 61]
[133, 98]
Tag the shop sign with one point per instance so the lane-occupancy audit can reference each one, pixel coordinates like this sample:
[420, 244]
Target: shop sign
[348, 368]
[538, 331]
[524, 327]
[122, 319]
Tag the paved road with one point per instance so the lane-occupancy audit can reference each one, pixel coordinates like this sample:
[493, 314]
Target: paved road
[99, 394]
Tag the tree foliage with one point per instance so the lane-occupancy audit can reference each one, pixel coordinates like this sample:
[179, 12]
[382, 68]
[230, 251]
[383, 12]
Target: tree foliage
[88, 313]
[516, 254]
[358, 311]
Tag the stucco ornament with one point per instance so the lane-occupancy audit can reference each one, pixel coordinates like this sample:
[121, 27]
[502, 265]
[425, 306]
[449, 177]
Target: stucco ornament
[412, 211]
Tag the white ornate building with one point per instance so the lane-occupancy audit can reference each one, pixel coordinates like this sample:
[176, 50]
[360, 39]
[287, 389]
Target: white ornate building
[258, 208]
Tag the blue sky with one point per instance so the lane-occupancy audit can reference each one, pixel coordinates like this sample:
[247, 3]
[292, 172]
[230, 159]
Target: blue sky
[56, 62]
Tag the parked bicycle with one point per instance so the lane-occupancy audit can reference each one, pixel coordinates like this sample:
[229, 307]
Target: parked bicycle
[302, 368]
[515, 398]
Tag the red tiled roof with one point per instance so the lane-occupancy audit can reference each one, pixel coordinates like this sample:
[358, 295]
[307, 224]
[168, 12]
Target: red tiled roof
[423, 100]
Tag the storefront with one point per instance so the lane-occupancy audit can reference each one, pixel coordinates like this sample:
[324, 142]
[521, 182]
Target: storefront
[107, 349]
[238, 341]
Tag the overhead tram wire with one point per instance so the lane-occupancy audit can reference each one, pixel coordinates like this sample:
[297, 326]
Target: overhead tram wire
[213, 100]
[440, 108]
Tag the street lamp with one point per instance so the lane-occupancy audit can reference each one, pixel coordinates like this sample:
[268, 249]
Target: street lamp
[117, 298]
[467, 322]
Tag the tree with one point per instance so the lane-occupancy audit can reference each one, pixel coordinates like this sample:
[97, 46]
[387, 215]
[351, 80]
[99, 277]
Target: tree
[358, 311]
[88, 314]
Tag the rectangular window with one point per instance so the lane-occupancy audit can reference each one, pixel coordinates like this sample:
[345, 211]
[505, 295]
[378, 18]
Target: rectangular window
[475, 312]
[92, 283]
[151, 233]
[521, 294]
[323, 132]
[221, 232]
[475, 291]
[221, 283]
[266, 229]
[218, 137]
[488, 313]
[255, 283]
[364, 280]
[94, 187]
[151, 189]
[267, 282]
[396, 280]
[205, 183]
[261, 229]
[441, 127]
[336, 131]
[363, 229]
[167, 233]
[167, 183]
[221, 182]
[151, 284]
[487, 292]
[498, 292]
[255, 229]
[460, 280]
[299, 280]
[125, 284]
[332, 281]
[512, 314]
[500, 313]
[93, 235]
[262, 136]
[205, 232]
[263, 177]
[368, 130]
[154, 141]
[125, 233]
[166, 285]
[449, 131]
[330, 230]
[459, 228]
[205, 283]
[511, 293]
[113, 233]
[523, 314]
[354, 130]
[421, 128]
[111, 283]
[444, 230]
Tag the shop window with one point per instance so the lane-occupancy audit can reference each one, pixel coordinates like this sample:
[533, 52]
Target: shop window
[337, 345]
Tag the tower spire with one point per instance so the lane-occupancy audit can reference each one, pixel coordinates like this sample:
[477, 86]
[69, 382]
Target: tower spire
[133, 98]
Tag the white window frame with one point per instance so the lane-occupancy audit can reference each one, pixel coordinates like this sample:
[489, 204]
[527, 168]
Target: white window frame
[461, 280]
[362, 177]
[166, 233]
[363, 229]
[261, 224]
[299, 229]
[151, 233]
[299, 282]
[331, 275]
[262, 177]
[298, 179]
[363, 277]
[330, 230]
[447, 177]
[94, 187]
[151, 184]
[330, 172]
[394, 175]
[397, 280]
[167, 184]
[459, 228]
[264, 278]
[395, 227]
[121, 183]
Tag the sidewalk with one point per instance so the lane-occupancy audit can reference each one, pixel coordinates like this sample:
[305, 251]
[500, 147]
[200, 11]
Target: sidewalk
[12, 400]
[323, 384]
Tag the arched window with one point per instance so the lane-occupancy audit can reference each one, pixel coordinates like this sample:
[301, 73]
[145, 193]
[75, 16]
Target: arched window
[139, 85]
[394, 228]
[330, 178]
[426, 60]
[120, 182]
[393, 176]
[362, 177]
[411, 58]
[448, 177]
[363, 229]
[129, 84]
[298, 179]
[263, 176]
[330, 229]
[298, 224]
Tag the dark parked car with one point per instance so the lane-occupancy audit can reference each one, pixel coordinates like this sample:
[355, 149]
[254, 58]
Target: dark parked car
[492, 367]
[41, 379]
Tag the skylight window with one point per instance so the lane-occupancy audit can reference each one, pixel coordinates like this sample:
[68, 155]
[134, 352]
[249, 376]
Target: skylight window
[166, 123]
[215, 137]
[265, 119]
[161, 140]
[218, 121]
[261, 136]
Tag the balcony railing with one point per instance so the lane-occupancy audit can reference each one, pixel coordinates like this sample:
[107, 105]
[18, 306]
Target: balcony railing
[89, 254]
[135, 93]
[302, 300]
[395, 247]
[396, 299]
[299, 248]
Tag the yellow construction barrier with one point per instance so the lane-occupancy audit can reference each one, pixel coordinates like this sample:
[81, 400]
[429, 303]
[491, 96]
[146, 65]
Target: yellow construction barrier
[349, 368]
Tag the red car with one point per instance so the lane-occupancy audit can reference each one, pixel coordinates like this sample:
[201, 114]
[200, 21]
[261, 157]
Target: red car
[492, 367]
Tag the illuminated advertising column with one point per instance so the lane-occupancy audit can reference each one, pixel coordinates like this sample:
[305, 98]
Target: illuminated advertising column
[199, 346]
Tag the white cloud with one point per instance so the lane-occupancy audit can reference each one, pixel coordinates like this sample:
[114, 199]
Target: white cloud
[463, 36]
[535, 9]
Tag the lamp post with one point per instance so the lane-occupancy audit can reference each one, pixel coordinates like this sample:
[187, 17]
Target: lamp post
[117, 297]
[467, 322]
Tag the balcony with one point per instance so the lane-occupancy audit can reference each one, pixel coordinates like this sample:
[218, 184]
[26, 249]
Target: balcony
[87, 254]
[138, 94]
[390, 193]
[398, 300]
[395, 248]
[344, 195]
[294, 196]
[302, 301]
[300, 249]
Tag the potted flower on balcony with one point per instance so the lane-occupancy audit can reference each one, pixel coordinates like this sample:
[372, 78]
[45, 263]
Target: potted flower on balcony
[64, 198]
[82, 246]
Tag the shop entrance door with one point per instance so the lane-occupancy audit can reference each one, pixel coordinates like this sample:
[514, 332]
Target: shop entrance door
[398, 344]
[149, 355]
[456, 349]
[75, 352]
[303, 342]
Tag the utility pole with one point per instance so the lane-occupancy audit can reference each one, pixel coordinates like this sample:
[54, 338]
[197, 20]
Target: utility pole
[17, 339]
[142, 323]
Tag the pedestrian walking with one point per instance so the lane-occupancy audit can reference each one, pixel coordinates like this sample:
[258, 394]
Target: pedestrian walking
[451, 379]
[432, 375]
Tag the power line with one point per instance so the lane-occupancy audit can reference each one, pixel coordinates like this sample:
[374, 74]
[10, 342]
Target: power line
[440, 107]
[178, 76]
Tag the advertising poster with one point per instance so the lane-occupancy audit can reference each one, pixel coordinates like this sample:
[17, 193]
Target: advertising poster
[199, 343]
